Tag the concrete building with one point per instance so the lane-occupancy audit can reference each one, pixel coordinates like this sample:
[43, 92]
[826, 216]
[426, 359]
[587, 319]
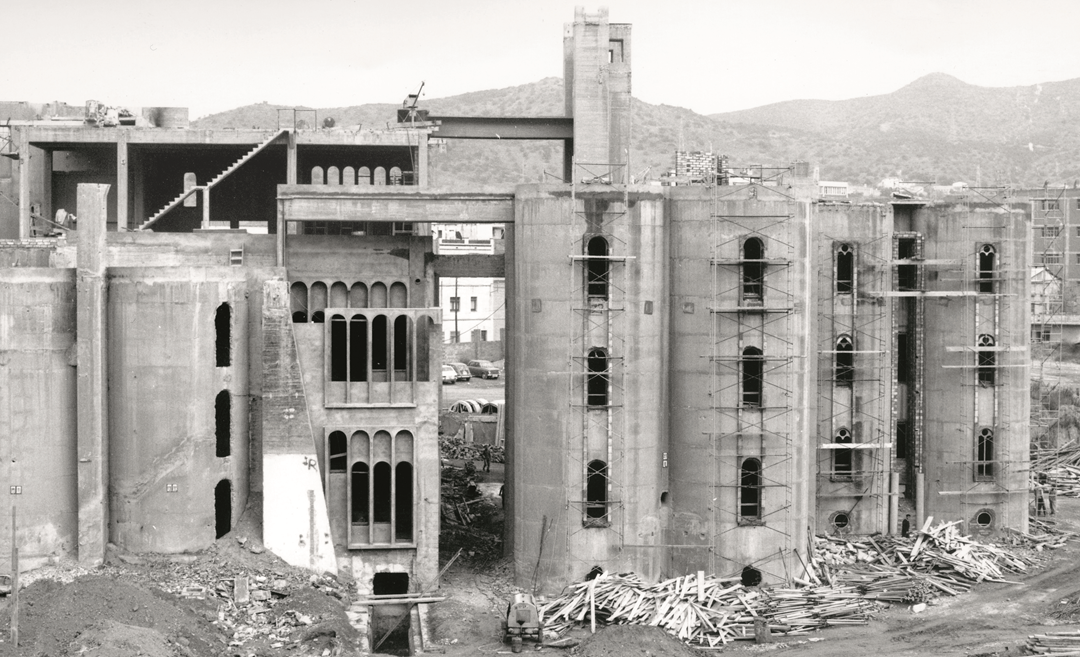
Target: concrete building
[696, 374]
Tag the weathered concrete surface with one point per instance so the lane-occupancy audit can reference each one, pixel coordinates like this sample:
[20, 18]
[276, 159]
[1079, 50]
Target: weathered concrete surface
[397, 203]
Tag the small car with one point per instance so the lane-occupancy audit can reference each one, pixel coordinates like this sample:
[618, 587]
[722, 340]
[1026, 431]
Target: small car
[449, 374]
[463, 373]
[483, 369]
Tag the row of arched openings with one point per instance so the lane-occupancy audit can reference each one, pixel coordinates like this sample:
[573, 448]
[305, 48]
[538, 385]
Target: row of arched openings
[364, 346]
[309, 303]
[907, 275]
[381, 481]
[378, 176]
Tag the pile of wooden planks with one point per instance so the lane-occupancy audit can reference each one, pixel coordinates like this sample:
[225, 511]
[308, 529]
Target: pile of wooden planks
[1061, 468]
[1055, 643]
[704, 611]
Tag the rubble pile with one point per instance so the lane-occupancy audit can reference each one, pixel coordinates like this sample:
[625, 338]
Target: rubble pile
[455, 447]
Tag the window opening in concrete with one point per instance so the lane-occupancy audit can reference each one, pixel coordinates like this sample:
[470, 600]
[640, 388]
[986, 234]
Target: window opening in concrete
[425, 328]
[839, 520]
[907, 276]
[987, 367]
[223, 508]
[664, 497]
[358, 339]
[379, 343]
[903, 358]
[903, 430]
[395, 176]
[390, 584]
[399, 295]
[223, 423]
[596, 493]
[753, 371]
[750, 490]
[845, 269]
[360, 493]
[597, 267]
[455, 304]
[339, 348]
[472, 304]
[984, 454]
[597, 377]
[984, 518]
[751, 576]
[403, 525]
[845, 361]
[339, 452]
[379, 177]
[381, 491]
[348, 176]
[377, 296]
[363, 176]
[987, 255]
[843, 458]
[317, 302]
[317, 177]
[223, 328]
[339, 295]
[401, 348]
[298, 300]
[358, 296]
[753, 273]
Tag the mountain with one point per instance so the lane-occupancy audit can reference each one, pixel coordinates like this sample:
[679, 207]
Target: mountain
[937, 128]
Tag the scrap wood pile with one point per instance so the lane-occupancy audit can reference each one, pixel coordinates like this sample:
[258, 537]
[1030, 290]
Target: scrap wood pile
[704, 611]
[1061, 468]
[455, 447]
[892, 568]
[1055, 643]
[1044, 534]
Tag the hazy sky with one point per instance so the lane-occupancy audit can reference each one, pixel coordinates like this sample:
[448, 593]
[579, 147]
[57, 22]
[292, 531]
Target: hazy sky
[710, 57]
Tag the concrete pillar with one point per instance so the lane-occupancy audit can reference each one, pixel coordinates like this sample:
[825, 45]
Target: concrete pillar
[290, 160]
[122, 194]
[421, 172]
[206, 207]
[280, 234]
[92, 393]
[44, 192]
[24, 187]
[894, 501]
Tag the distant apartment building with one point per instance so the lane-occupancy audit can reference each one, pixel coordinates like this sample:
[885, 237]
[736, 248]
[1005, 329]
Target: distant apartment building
[1055, 261]
[474, 306]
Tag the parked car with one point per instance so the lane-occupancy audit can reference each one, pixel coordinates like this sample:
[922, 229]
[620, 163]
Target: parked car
[449, 374]
[483, 369]
[463, 373]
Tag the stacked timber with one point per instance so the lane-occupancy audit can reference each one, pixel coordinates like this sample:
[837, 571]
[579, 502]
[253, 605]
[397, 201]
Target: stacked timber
[1055, 643]
[1059, 468]
[704, 611]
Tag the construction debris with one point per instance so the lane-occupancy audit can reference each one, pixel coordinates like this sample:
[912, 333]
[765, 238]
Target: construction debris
[1055, 643]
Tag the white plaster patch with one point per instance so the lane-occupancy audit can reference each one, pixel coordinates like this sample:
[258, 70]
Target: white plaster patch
[293, 504]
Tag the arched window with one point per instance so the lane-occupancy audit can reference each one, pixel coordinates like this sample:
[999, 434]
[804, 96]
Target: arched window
[845, 269]
[360, 493]
[753, 270]
[348, 176]
[223, 508]
[596, 490]
[842, 458]
[358, 338]
[363, 176]
[987, 255]
[339, 452]
[298, 301]
[395, 175]
[317, 177]
[596, 377]
[845, 361]
[223, 329]
[597, 267]
[750, 490]
[379, 176]
[984, 454]
[403, 501]
[987, 367]
[381, 491]
[333, 176]
[379, 343]
[401, 346]
[753, 372]
[317, 297]
[339, 348]
[223, 424]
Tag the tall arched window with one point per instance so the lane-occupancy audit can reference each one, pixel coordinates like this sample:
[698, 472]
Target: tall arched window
[382, 493]
[597, 267]
[596, 377]
[753, 269]
[339, 452]
[845, 269]
[298, 301]
[339, 348]
[403, 526]
[402, 339]
[987, 367]
[223, 329]
[753, 372]
[596, 490]
[987, 255]
[360, 475]
[843, 458]
[845, 361]
[984, 454]
[358, 339]
[379, 343]
[223, 424]
[750, 490]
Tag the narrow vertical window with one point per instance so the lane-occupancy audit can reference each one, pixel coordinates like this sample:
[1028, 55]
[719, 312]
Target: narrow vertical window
[987, 361]
[223, 423]
[845, 269]
[597, 267]
[339, 348]
[358, 342]
[845, 361]
[223, 328]
[907, 276]
[750, 490]
[753, 270]
[379, 343]
[843, 457]
[596, 489]
[903, 358]
[902, 438]
[403, 530]
[597, 378]
[401, 344]
[984, 454]
[382, 494]
[753, 371]
[223, 508]
[987, 255]
[360, 493]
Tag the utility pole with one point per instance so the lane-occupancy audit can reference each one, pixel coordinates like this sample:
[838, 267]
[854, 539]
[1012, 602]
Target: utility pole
[14, 583]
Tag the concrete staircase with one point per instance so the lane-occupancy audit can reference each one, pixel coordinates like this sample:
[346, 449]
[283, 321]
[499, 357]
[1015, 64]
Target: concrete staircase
[210, 185]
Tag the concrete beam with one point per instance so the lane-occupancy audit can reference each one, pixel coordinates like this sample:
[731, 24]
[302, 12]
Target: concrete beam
[365, 203]
[473, 265]
[92, 390]
[502, 127]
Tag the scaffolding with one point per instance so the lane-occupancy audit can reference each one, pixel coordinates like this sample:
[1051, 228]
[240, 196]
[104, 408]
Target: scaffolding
[753, 307]
[596, 355]
[1051, 226]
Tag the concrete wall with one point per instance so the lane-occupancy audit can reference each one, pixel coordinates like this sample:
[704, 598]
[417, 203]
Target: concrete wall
[37, 412]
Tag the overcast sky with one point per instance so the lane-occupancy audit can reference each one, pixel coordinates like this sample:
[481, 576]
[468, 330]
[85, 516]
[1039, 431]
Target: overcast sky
[214, 55]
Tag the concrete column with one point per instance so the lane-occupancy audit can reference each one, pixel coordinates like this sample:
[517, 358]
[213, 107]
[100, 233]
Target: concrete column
[24, 188]
[290, 159]
[422, 161]
[122, 213]
[280, 234]
[206, 208]
[92, 368]
[44, 191]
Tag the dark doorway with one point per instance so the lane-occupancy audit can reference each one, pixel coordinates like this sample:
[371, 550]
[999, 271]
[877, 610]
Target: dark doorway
[223, 507]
